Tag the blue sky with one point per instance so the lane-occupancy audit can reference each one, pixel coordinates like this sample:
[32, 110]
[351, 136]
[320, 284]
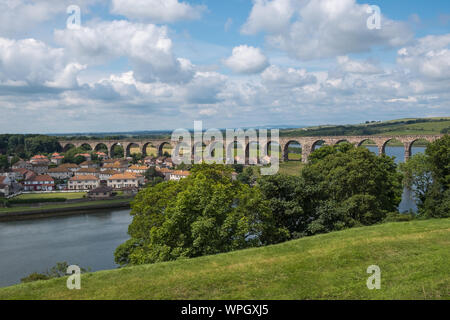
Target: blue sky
[151, 65]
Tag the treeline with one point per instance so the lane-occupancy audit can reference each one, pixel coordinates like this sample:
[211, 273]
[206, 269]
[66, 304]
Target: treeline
[25, 146]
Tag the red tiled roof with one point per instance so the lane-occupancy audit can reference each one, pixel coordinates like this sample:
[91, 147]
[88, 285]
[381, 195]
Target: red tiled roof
[42, 178]
[83, 178]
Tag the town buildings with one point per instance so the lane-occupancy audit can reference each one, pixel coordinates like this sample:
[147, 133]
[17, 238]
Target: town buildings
[83, 182]
[39, 183]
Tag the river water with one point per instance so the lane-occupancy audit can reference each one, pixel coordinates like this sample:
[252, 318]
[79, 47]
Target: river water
[87, 240]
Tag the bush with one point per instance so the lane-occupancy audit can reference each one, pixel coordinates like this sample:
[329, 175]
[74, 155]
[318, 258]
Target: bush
[399, 217]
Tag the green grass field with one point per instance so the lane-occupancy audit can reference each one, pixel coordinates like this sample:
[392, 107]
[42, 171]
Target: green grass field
[413, 257]
[43, 196]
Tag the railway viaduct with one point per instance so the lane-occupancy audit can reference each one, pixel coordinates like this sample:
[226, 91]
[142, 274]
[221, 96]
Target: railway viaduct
[308, 144]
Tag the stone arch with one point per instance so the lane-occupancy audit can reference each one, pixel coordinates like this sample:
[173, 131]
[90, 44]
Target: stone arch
[342, 141]
[68, 146]
[161, 148]
[317, 144]
[149, 145]
[86, 146]
[131, 145]
[252, 155]
[236, 151]
[100, 146]
[369, 144]
[212, 154]
[410, 145]
[111, 150]
[289, 144]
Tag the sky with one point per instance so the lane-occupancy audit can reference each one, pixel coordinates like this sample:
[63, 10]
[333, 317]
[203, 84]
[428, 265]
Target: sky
[162, 64]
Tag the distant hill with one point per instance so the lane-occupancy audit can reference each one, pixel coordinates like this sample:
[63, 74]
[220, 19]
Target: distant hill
[413, 258]
[419, 126]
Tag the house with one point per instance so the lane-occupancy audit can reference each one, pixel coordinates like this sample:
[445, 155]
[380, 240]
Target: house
[137, 169]
[5, 180]
[123, 180]
[89, 164]
[56, 158]
[117, 165]
[21, 173]
[168, 163]
[101, 192]
[178, 175]
[72, 167]
[160, 160]
[40, 167]
[88, 171]
[149, 161]
[39, 159]
[11, 175]
[39, 183]
[4, 189]
[166, 172]
[102, 155]
[60, 173]
[21, 164]
[83, 182]
[130, 191]
[105, 175]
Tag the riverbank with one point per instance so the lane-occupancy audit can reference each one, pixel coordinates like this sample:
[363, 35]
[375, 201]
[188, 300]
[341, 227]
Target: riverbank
[22, 213]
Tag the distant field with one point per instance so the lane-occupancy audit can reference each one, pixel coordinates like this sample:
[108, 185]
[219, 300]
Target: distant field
[291, 168]
[427, 126]
[413, 258]
[68, 195]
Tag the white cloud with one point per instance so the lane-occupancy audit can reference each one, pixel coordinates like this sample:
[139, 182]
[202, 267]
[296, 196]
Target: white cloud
[147, 46]
[429, 57]
[31, 62]
[247, 60]
[279, 11]
[322, 28]
[157, 11]
[23, 15]
[353, 66]
[288, 77]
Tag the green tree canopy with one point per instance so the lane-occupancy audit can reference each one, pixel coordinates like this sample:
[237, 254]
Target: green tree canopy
[206, 213]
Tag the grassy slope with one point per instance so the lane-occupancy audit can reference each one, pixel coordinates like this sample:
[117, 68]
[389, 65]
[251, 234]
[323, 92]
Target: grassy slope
[413, 258]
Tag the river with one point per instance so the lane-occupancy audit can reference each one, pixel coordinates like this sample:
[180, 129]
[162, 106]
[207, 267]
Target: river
[87, 240]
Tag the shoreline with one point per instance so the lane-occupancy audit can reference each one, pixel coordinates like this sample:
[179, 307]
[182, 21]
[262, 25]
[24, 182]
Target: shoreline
[63, 210]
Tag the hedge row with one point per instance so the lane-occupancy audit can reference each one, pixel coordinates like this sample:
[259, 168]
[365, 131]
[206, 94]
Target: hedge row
[37, 200]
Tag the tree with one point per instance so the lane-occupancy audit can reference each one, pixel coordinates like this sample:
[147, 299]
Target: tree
[417, 176]
[437, 202]
[353, 187]
[285, 196]
[4, 164]
[206, 213]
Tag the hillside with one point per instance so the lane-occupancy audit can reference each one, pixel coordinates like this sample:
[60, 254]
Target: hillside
[419, 126]
[413, 257]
